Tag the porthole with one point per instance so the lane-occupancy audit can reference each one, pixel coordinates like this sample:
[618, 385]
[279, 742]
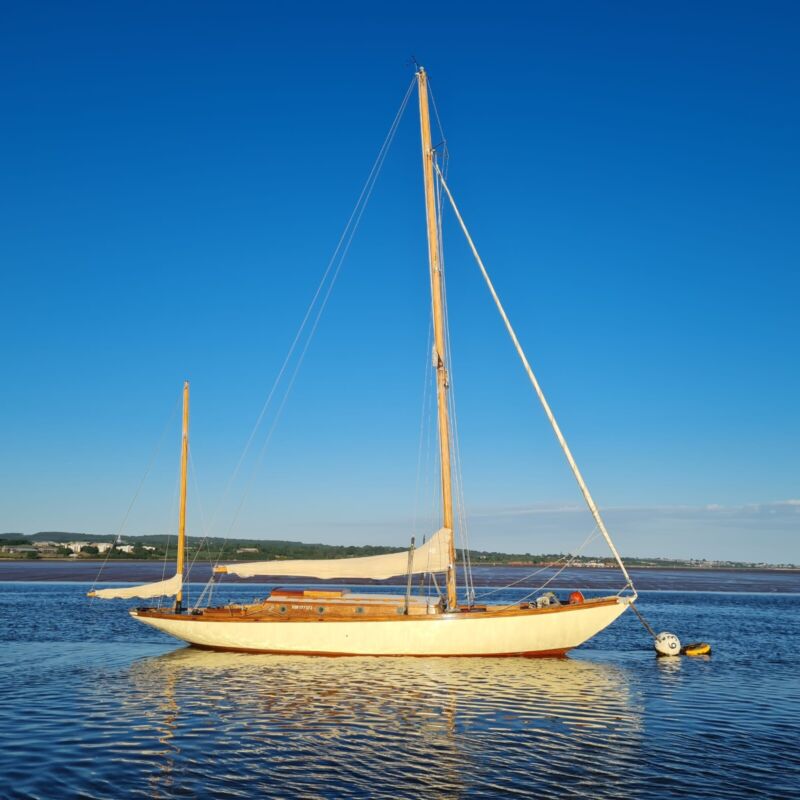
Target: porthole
[359, 610]
[282, 609]
[321, 609]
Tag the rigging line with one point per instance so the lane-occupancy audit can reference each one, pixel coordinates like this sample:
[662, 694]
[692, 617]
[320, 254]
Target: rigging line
[545, 405]
[425, 384]
[460, 494]
[432, 465]
[459, 475]
[207, 589]
[445, 151]
[285, 398]
[200, 547]
[462, 511]
[205, 531]
[451, 396]
[449, 378]
[293, 346]
[172, 509]
[552, 577]
[138, 490]
[343, 255]
[521, 580]
[542, 569]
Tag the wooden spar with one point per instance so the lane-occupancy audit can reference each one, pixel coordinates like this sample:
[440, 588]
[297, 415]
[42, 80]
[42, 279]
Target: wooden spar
[410, 574]
[437, 297]
[182, 514]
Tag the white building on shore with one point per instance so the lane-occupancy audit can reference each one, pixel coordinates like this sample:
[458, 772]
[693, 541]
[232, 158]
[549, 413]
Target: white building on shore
[102, 547]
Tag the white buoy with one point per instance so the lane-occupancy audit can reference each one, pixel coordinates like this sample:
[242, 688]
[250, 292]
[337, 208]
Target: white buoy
[667, 644]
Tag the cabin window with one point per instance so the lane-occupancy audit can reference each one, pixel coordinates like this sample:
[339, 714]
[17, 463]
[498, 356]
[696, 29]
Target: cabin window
[321, 609]
[282, 609]
[359, 610]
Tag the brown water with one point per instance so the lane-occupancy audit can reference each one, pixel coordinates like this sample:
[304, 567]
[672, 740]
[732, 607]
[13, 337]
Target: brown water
[740, 580]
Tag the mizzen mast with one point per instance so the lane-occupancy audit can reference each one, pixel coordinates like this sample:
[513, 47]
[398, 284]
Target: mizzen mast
[439, 344]
[182, 513]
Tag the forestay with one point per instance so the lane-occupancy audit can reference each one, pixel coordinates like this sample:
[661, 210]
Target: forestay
[168, 588]
[433, 556]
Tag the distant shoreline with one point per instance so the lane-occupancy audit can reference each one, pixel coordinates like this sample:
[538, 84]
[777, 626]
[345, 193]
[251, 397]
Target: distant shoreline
[62, 546]
[522, 579]
[107, 563]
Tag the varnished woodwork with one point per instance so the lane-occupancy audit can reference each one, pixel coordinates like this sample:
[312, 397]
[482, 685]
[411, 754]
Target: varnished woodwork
[298, 608]
[439, 341]
[182, 513]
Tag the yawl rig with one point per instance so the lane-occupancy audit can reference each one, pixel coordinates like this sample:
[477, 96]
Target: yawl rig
[323, 622]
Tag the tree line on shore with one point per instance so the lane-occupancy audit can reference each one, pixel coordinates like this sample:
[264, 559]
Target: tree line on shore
[55, 544]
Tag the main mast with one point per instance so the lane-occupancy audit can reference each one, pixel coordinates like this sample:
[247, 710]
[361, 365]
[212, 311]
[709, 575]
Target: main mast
[182, 512]
[437, 297]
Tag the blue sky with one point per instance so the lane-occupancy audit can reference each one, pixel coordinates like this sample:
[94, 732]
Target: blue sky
[175, 180]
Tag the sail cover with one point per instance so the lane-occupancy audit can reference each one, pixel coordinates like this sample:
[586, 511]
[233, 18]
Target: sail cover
[433, 556]
[169, 587]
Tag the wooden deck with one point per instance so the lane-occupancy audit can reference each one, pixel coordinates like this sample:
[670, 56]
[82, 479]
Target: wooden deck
[298, 605]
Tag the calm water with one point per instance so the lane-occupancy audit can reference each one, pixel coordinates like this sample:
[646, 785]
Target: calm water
[96, 705]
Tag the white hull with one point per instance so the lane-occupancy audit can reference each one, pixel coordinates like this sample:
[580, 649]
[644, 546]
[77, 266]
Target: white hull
[538, 633]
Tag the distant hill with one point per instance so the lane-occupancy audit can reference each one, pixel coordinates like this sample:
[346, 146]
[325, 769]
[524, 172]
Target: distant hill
[66, 536]
[14, 538]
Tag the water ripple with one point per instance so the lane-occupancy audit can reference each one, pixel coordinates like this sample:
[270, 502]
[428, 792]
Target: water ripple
[100, 707]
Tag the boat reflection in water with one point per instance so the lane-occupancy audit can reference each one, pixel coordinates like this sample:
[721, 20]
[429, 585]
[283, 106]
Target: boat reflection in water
[365, 726]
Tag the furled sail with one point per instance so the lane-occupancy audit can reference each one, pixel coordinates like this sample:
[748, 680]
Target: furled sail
[169, 587]
[433, 556]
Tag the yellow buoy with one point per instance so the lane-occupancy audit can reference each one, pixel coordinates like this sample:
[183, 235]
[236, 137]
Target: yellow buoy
[697, 649]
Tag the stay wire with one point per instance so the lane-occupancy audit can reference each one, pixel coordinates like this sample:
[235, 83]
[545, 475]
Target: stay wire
[555, 575]
[589, 500]
[203, 529]
[530, 575]
[445, 151]
[422, 418]
[296, 371]
[335, 264]
[135, 497]
[172, 510]
[298, 335]
[458, 473]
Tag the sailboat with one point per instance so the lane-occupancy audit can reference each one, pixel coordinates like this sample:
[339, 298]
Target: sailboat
[342, 622]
